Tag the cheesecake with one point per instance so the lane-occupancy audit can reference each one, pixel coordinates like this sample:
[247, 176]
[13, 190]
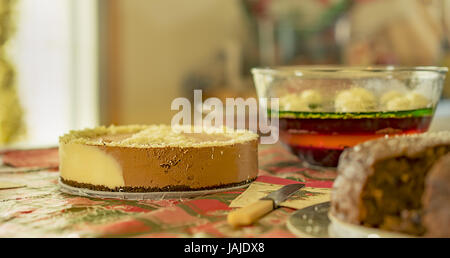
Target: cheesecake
[155, 158]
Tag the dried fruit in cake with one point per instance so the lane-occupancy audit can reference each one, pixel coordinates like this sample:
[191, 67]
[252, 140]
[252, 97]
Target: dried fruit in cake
[380, 183]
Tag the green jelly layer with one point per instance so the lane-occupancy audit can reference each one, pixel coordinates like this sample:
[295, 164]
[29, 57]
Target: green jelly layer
[352, 115]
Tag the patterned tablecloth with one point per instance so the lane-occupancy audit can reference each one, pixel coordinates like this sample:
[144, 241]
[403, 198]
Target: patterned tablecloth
[39, 209]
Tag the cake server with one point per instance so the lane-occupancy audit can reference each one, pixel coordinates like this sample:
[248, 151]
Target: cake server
[249, 214]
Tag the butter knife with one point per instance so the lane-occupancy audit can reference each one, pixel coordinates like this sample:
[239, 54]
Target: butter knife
[249, 214]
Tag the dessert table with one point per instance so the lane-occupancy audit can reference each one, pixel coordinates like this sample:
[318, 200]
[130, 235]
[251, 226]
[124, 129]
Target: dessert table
[35, 207]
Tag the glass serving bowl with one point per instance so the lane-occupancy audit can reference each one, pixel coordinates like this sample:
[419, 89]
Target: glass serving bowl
[325, 109]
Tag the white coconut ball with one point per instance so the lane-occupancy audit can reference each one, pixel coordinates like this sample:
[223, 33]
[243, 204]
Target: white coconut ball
[418, 100]
[390, 95]
[308, 100]
[410, 101]
[291, 102]
[312, 98]
[355, 100]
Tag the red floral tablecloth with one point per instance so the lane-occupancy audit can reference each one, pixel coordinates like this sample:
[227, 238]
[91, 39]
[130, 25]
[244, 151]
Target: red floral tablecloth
[39, 209]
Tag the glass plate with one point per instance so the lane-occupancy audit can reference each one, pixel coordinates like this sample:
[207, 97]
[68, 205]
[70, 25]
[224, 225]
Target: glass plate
[142, 196]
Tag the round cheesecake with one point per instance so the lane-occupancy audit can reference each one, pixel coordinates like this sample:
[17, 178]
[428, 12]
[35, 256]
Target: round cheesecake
[155, 158]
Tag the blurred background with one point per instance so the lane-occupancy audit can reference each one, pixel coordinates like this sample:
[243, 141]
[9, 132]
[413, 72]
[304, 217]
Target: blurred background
[71, 64]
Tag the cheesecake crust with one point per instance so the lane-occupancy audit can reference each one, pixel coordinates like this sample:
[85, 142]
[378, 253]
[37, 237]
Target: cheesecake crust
[170, 188]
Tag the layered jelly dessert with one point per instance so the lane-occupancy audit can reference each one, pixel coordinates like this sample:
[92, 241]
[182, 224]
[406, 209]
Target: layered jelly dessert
[317, 128]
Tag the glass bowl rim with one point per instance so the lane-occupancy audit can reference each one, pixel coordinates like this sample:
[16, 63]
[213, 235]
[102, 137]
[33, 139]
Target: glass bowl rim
[298, 70]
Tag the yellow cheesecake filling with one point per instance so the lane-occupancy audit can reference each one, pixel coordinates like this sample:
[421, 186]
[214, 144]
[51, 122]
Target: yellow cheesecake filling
[89, 165]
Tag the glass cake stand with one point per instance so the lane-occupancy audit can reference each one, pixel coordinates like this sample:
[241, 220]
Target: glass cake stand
[142, 196]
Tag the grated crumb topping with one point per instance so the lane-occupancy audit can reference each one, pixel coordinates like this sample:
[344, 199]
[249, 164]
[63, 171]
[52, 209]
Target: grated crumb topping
[145, 136]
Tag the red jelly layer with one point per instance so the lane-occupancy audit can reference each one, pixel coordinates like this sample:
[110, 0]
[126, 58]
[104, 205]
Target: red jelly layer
[321, 141]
